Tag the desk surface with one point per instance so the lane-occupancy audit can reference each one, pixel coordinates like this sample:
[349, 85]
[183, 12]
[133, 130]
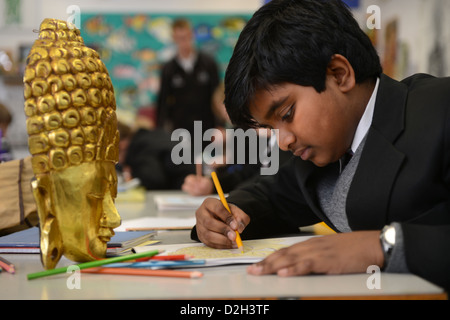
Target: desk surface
[226, 282]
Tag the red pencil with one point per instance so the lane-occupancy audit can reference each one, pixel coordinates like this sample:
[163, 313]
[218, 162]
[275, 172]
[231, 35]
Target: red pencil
[145, 272]
[6, 265]
[166, 258]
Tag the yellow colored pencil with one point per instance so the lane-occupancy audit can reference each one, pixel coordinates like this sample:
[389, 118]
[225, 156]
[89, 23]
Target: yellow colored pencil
[225, 204]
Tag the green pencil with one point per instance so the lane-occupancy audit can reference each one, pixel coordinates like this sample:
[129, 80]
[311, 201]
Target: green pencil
[93, 264]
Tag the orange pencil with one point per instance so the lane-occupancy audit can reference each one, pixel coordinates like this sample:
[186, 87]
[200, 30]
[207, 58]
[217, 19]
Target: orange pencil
[145, 272]
[7, 266]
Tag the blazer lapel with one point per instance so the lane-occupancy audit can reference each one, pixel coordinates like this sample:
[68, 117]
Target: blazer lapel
[369, 194]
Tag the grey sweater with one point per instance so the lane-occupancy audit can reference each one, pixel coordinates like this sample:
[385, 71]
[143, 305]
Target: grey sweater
[332, 192]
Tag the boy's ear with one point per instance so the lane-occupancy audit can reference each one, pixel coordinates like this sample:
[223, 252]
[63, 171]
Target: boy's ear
[342, 72]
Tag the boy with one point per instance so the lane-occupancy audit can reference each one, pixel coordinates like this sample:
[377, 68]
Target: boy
[305, 67]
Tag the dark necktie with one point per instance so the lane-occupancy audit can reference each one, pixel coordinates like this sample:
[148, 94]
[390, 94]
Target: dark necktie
[345, 160]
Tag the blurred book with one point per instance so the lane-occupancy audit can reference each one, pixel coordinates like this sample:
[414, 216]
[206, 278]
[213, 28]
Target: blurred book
[180, 202]
[27, 241]
[157, 223]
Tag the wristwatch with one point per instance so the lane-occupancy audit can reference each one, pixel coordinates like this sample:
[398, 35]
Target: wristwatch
[387, 239]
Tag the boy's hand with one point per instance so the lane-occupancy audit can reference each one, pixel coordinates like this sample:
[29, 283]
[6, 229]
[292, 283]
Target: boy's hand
[334, 254]
[216, 227]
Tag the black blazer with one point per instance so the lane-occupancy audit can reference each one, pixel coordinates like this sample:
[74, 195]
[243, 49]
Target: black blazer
[403, 176]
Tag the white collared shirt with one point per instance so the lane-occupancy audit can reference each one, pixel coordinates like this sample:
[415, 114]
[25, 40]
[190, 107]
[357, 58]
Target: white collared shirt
[366, 120]
[187, 63]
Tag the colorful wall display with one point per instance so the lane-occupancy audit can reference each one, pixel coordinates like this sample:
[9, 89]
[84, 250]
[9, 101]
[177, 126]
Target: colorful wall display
[134, 46]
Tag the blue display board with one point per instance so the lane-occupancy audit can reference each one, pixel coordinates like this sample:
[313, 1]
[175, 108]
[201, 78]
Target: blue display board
[134, 46]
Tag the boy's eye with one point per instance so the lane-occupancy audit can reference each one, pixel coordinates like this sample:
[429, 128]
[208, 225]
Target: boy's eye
[289, 113]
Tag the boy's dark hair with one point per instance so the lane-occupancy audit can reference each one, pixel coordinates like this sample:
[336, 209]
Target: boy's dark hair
[293, 41]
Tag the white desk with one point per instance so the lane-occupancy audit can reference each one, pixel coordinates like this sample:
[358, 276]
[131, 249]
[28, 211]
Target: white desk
[229, 282]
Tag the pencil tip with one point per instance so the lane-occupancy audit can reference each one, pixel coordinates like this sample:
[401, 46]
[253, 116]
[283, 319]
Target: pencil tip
[196, 274]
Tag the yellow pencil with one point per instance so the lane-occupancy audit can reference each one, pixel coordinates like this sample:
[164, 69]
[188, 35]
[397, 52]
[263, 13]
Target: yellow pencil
[225, 204]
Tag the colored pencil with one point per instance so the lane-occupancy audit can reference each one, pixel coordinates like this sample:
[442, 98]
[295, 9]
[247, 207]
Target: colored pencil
[159, 264]
[225, 204]
[7, 266]
[145, 272]
[93, 264]
[166, 258]
[159, 228]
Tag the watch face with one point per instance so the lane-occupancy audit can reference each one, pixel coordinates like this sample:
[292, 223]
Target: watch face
[389, 235]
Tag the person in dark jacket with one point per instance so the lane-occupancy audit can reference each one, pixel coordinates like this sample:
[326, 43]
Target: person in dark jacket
[188, 83]
[306, 68]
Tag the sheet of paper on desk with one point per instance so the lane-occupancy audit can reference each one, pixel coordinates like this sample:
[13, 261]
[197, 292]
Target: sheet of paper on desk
[254, 250]
[180, 202]
[157, 223]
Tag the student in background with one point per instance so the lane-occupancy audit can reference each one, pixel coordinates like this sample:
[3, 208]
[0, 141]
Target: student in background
[231, 176]
[235, 175]
[306, 68]
[145, 153]
[5, 121]
[188, 82]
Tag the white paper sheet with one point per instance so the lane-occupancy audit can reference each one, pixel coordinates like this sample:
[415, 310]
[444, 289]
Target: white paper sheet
[254, 250]
[156, 223]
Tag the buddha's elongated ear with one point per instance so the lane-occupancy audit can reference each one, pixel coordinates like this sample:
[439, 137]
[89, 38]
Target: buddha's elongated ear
[50, 235]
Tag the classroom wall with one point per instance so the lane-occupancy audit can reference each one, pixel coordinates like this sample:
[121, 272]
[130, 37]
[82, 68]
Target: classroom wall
[420, 30]
[422, 38]
[34, 11]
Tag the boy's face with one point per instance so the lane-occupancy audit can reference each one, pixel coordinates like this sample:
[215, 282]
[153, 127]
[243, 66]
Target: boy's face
[317, 127]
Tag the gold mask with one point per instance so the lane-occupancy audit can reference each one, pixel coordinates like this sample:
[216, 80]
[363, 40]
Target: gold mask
[73, 139]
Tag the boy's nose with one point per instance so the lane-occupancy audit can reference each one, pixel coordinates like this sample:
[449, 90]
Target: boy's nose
[285, 139]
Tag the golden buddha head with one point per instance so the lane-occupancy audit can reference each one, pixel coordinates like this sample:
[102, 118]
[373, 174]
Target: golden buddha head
[73, 140]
